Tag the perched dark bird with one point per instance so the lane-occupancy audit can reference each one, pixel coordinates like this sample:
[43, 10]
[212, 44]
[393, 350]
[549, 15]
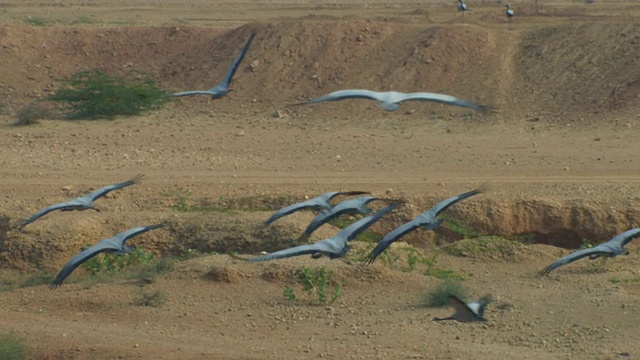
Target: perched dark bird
[473, 311]
[349, 206]
[81, 203]
[333, 247]
[427, 220]
[609, 249]
[221, 89]
[319, 203]
[113, 245]
[390, 100]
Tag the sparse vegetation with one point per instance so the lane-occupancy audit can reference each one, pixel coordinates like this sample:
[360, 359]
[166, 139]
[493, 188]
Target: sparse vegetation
[319, 284]
[12, 347]
[94, 94]
[151, 298]
[485, 246]
[115, 263]
[458, 227]
[586, 244]
[182, 203]
[437, 296]
[13, 280]
[37, 21]
[31, 113]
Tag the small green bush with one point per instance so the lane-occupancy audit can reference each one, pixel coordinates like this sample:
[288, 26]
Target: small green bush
[320, 282]
[437, 297]
[115, 263]
[93, 94]
[12, 347]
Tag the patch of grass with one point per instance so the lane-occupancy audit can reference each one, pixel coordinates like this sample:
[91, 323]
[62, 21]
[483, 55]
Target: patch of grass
[617, 280]
[114, 263]
[13, 280]
[31, 113]
[182, 203]
[319, 284]
[37, 21]
[93, 94]
[82, 20]
[485, 246]
[586, 244]
[437, 297]
[12, 347]
[150, 298]
[458, 227]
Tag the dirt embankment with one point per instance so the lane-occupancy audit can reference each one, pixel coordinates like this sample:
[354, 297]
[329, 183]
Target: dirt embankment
[565, 72]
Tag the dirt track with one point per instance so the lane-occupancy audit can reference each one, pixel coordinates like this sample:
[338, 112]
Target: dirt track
[559, 152]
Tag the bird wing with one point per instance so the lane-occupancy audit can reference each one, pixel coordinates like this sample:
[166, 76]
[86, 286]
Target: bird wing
[352, 231]
[194, 92]
[103, 191]
[465, 312]
[47, 210]
[127, 234]
[394, 235]
[573, 257]
[347, 94]
[309, 204]
[625, 238]
[350, 193]
[445, 204]
[441, 98]
[227, 80]
[291, 252]
[67, 269]
[320, 219]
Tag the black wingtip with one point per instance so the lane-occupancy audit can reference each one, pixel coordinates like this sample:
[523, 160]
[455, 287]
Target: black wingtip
[544, 272]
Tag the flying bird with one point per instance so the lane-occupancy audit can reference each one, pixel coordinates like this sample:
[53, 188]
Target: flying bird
[609, 249]
[390, 100]
[509, 12]
[349, 206]
[81, 203]
[113, 245]
[427, 220]
[221, 89]
[333, 247]
[470, 312]
[319, 203]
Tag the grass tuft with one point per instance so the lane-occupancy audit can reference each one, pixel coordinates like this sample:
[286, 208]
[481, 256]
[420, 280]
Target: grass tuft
[437, 297]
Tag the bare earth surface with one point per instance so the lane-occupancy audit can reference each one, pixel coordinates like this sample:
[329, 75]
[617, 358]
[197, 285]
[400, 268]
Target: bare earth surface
[560, 151]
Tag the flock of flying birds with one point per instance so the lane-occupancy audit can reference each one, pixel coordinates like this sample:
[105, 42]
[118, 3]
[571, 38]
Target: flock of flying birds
[336, 246]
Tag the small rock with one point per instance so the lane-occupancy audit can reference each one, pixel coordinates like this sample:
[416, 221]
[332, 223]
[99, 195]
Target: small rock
[240, 133]
[67, 187]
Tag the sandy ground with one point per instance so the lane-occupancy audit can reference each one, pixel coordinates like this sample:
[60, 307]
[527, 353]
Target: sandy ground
[559, 152]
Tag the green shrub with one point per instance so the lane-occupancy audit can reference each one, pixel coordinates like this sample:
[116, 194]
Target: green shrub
[320, 282]
[31, 113]
[12, 347]
[115, 263]
[93, 94]
[437, 297]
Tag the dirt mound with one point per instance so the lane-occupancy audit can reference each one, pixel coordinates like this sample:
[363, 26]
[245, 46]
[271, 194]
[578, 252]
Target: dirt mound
[581, 68]
[555, 69]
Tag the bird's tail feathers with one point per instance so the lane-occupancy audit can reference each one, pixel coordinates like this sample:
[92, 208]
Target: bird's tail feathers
[137, 178]
[484, 187]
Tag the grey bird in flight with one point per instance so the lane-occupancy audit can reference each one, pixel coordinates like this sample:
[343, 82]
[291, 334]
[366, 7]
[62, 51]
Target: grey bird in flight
[333, 247]
[318, 203]
[349, 206]
[83, 202]
[427, 220]
[609, 249]
[471, 312]
[390, 100]
[221, 89]
[113, 245]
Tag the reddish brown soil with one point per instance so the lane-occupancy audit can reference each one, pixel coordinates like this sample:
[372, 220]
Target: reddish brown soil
[559, 151]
